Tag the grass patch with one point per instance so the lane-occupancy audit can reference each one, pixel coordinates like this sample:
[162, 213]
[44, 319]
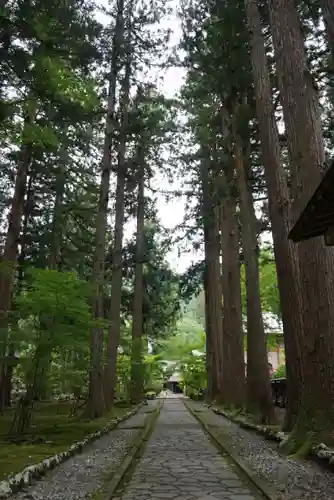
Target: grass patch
[51, 431]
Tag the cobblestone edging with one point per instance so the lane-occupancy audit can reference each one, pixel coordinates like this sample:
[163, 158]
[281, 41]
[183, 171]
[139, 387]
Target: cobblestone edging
[24, 478]
[320, 452]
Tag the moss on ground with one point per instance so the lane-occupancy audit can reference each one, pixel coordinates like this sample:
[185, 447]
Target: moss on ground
[241, 415]
[312, 427]
[52, 430]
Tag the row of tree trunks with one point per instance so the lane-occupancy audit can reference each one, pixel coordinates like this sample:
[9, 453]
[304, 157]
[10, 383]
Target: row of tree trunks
[114, 331]
[259, 398]
[287, 263]
[225, 342]
[306, 152]
[233, 353]
[305, 272]
[95, 402]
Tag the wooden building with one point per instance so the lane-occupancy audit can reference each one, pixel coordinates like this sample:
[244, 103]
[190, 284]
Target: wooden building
[317, 218]
[173, 383]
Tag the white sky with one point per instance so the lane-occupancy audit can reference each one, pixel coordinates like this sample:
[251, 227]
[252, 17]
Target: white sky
[170, 213]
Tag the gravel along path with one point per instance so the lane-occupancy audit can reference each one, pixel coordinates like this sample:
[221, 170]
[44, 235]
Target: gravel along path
[80, 476]
[179, 462]
[293, 479]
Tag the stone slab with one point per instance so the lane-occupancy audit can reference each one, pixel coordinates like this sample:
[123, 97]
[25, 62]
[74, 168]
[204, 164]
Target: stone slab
[181, 463]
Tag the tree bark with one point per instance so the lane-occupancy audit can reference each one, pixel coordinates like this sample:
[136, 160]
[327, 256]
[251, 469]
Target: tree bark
[137, 311]
[9, 257]
[306, 152]
[234, 389]
[24, 409]
[57, 221]
[287, 262]
[116, 279]
[209, 361]
[259, 398]
[95, 402]
[8, 378]
[328, 12]
[328, 15]
[213, 292]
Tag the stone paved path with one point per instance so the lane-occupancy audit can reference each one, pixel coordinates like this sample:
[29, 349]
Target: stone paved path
[180, 463]
[80, 476]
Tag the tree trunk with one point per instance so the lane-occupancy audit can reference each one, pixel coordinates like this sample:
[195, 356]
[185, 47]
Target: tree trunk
[6, 31]
[57, 222]
[95, 402]
[233, 352]
[8, 378]
[328, 12]
[9, 258]
[306, 152]
[24, 409]
[211, 364]
[213, 293]
[116, 279]
[287, 262]
[259, 398]
[209, 361]
[137, 311]
[6, 386]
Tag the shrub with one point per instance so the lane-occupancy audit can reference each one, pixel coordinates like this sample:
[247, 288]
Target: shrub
[280, 372]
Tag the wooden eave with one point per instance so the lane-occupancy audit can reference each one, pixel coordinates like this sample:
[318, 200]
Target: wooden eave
[318, 215]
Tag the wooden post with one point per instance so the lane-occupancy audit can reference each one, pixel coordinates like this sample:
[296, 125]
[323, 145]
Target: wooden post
[329, 236]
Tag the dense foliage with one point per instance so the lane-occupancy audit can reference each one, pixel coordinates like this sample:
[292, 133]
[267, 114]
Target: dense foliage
[75, 102]
[90, 313]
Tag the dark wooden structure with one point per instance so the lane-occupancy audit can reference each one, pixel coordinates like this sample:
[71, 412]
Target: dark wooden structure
[278, 389]
[317, 218]
[173, 384]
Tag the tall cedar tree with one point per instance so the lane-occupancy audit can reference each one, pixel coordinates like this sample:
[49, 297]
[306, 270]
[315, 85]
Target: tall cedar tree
[286, 257]
[306, 152]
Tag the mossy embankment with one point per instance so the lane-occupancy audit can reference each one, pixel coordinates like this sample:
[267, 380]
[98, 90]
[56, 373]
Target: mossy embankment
[52, 431]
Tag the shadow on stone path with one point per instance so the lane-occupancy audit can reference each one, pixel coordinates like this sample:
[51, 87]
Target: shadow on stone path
[180, 463]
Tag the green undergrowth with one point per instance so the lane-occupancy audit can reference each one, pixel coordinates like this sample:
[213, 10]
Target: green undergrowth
[52, 431]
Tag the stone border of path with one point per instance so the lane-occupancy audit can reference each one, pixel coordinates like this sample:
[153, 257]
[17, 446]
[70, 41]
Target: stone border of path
[22, 479]
[321, 452]
[264, 489]
[108, 492]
